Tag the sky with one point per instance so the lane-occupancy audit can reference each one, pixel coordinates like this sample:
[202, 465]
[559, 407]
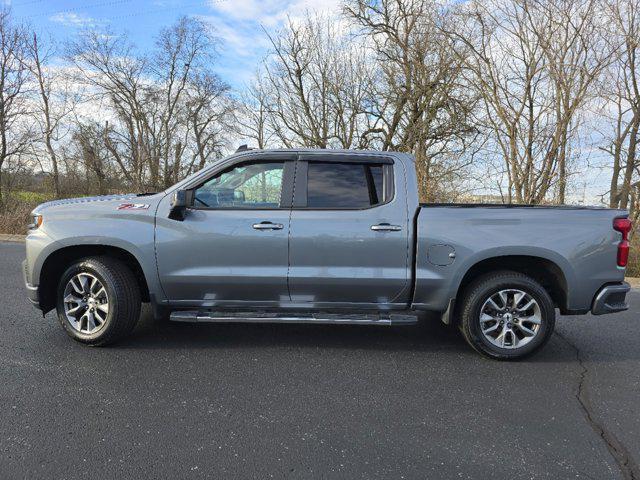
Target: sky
[241, 25]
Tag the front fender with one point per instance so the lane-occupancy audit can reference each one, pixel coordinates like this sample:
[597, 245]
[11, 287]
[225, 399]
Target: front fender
[132, 232]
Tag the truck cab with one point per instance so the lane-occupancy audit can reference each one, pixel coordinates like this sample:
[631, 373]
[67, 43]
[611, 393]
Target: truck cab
[303, 230]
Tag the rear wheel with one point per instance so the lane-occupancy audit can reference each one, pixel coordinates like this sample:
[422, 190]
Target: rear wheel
[506, 315]
[98, 301]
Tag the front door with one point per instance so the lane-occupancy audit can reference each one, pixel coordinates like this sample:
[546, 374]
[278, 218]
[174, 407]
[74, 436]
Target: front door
[232, 246]
[349, 233]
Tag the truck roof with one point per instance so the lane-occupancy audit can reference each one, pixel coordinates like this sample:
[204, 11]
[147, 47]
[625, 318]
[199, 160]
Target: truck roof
[334, 151]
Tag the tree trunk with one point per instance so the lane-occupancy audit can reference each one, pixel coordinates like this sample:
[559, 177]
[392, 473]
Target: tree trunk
[631, 163]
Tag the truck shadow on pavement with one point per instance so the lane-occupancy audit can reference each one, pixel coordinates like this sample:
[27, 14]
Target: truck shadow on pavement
[429, 335]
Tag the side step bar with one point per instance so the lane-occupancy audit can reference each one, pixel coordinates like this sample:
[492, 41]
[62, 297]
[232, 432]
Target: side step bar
[194, 316]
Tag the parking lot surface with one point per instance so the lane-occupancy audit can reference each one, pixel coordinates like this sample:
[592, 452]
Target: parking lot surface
[283, 401]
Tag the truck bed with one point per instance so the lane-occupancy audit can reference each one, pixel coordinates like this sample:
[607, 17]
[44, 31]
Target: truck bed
[579, 243]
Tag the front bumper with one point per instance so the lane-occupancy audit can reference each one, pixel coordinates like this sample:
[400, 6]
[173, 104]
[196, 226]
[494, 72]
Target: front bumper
[611, 299]
[32, 290]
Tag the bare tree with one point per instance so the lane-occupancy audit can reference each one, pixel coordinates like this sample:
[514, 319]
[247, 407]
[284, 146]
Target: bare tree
[211, 113]
[55, 99]
[109, 68]
[622, 106]
[571, 35]
[168, 108]
[14, 132]
[534, 63]
[183, 51]
[417, 101]
[254, 115]
[314, 86]
[91, 153]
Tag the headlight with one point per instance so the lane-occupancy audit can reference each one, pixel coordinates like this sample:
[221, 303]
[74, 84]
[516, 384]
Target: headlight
[36, 221]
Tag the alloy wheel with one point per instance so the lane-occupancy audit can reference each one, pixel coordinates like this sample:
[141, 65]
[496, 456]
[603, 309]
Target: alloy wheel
[86, 304]
[510, 318]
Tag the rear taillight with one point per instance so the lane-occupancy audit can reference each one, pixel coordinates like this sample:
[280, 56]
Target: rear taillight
[623, 225]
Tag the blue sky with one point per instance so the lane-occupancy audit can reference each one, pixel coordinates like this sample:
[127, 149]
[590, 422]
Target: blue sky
[240, 24]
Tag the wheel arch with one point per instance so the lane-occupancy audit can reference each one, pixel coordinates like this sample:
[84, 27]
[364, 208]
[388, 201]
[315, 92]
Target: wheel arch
[59, 260]
[543, 270]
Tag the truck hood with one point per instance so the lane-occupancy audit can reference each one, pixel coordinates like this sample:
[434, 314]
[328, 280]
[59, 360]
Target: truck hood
[121, 202]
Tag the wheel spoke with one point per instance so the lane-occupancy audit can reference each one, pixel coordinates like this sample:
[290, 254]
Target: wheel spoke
[103, 307]
[535, 319]
[91, 322]
[504, 297]
[495, 306]
[71, 298]
[517, 297]
[493, 328]
[526, 331]
[99, 315]
[501, 337]
[75, 310]
[84, 283]
[485, 317]
[529, 304]
[76, 285]
[83, 320]
[94, 282]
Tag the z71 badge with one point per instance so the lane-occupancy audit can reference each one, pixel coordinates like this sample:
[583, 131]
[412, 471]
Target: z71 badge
[133, 206]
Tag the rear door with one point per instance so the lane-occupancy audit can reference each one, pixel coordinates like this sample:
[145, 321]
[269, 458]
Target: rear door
[231, 249]
[348, 245]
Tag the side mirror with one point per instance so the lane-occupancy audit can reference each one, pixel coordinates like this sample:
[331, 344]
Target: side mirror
[182, 199]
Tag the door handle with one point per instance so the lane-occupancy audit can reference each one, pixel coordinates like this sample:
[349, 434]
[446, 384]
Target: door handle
[268, 226]
[385, 227]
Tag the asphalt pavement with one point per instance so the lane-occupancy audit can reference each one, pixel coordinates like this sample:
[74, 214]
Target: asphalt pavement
[283, 401]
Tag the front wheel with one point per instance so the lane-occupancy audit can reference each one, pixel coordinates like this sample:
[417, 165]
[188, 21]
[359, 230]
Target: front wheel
[98, 301]
[506, 315]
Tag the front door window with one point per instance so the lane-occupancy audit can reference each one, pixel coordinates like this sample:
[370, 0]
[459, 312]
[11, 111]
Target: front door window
[251, 186]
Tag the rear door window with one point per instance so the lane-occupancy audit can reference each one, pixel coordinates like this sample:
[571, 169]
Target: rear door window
[344, 185]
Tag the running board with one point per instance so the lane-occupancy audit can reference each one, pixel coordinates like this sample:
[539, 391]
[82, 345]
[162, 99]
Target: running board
[193, 316]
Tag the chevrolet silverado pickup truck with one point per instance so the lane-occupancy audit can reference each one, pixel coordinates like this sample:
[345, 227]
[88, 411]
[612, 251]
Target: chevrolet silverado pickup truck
[322, 236]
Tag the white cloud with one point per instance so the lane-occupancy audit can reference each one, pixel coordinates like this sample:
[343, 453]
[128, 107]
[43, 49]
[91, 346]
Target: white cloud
[71, 19]
[243, 40]
[241, 25]
[272, 13]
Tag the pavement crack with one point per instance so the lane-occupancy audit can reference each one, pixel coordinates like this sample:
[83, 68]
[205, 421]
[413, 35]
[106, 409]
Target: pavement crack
[628, 467]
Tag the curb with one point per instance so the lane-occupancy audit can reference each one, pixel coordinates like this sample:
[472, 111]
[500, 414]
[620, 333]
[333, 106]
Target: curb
[633, 281]
[4, 237]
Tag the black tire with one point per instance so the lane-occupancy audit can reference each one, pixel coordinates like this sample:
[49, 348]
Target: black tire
[480, 290]
[123, 293]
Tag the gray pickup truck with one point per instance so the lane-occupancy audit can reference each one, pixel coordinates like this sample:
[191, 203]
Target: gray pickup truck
[322, 236]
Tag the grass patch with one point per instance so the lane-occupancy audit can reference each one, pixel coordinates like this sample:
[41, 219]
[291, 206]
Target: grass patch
[31, 197]
[633, 266]
[14, 214]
